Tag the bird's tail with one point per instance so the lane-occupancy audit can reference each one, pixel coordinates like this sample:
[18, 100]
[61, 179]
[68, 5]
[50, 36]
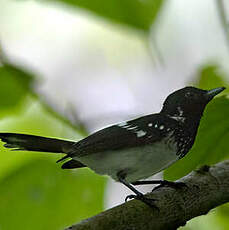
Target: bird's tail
[35, 143]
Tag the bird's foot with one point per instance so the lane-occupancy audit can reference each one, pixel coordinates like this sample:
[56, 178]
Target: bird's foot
[175, 185]
[141, 197]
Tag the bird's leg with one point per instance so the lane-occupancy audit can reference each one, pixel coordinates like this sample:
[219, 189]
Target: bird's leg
[139, 195]
[161, 183]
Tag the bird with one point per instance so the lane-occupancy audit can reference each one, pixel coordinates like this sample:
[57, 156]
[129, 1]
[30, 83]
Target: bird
[133, 150]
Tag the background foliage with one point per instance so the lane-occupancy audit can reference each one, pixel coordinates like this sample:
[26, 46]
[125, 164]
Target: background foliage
[133, 13]
[35, 193]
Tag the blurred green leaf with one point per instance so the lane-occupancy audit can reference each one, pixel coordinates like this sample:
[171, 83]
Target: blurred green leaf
[216, 219]
[138, 14]
[15, 85]
[41, 196]
[211, 144]
[210, 76]
[221, 216]
[205, 222]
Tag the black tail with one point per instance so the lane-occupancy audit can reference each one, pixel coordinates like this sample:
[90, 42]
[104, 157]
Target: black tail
[26, 142]
[35, 143]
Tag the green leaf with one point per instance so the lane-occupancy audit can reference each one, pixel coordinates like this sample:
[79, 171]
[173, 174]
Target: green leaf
[211, 76]
[138, 14]
[15, 85]
[41, 196]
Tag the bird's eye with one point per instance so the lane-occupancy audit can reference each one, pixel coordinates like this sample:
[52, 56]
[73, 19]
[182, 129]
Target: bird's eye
[190, 95]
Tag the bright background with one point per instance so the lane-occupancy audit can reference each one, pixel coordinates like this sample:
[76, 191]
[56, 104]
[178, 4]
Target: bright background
[87, 64]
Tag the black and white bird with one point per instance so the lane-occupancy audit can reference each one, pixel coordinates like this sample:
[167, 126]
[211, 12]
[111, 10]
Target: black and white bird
[131, 150]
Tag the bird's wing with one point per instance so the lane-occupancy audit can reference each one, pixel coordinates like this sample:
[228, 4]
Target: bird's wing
[133, 133]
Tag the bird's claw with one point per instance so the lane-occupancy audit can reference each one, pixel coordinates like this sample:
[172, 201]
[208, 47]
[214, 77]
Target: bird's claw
[129, 197]
[148, 201]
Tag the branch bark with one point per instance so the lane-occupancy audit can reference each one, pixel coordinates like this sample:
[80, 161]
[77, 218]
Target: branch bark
[207, 188]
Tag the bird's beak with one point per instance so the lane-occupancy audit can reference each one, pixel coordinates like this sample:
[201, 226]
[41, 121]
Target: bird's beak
[213, 92]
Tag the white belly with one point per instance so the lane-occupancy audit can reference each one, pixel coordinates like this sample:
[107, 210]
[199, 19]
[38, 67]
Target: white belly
[138, 163]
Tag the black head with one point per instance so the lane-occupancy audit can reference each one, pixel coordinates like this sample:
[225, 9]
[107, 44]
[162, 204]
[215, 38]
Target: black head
[189, 101]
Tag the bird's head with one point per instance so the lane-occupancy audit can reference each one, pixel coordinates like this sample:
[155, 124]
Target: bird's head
[188, 102]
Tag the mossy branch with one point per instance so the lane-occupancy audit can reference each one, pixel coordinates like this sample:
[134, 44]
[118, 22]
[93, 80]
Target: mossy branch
[206, 189]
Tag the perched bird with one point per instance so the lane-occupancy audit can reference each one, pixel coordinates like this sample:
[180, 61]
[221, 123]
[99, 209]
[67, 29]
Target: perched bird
[131, 150]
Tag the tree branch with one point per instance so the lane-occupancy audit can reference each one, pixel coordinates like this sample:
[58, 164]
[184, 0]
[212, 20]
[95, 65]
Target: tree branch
[206, 189]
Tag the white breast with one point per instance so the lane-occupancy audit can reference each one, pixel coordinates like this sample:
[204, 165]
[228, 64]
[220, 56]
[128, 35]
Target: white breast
[138, 163]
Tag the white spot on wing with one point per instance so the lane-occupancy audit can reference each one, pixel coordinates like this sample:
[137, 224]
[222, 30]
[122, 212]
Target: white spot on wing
[122, 124]
[140, 133]
[131, 127]
[150, 124]
[161, 127]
